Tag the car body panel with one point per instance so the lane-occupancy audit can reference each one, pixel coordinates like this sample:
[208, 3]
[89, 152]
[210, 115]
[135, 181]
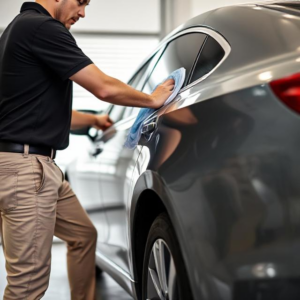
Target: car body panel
[238, 172]
[116, 163]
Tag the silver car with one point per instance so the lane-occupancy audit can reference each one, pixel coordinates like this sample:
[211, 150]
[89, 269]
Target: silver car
[207, 206]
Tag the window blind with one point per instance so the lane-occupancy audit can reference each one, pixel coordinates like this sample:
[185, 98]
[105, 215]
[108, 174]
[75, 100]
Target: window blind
[117, 56]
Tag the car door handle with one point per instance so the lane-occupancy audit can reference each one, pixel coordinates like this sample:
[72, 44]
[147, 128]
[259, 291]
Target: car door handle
[148, 128]
[98, 149]
[97, 152]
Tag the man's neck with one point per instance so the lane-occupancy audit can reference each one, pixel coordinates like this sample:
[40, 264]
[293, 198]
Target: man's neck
[48, 7]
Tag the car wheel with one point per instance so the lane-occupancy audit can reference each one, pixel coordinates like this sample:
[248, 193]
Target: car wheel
[164, 273]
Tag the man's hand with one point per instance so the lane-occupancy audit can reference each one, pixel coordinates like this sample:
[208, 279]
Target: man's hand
[102, 122]
[162, 93]
[81, 120]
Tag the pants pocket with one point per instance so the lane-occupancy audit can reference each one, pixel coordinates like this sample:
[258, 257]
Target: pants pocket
[48, 177]
[8, 189]
[39, 172]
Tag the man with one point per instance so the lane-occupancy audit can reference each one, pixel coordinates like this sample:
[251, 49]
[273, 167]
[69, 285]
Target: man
[39, 59]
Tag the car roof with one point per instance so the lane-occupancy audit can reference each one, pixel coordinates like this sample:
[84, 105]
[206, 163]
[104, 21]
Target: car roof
[236, 13]
[254, 31]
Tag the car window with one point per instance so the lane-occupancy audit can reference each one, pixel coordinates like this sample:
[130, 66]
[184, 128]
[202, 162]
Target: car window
[127, 112]
[137, 78]
[211, 54]
[135, 111]
[116, 113]
[181, 52]
[131, 111]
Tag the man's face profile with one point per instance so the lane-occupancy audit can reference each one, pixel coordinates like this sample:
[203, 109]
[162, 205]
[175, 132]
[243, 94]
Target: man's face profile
[70, 11]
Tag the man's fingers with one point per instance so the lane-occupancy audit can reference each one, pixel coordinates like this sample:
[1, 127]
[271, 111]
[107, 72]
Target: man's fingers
[169, 82]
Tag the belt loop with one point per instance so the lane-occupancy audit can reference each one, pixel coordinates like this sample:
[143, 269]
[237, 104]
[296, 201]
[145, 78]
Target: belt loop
[26, 150]
[52, 153]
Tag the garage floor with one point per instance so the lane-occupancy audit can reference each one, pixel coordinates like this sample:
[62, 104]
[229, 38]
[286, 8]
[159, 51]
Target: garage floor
[107, 288]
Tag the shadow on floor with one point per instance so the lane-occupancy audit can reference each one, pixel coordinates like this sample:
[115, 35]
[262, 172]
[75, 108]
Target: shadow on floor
[108, 289]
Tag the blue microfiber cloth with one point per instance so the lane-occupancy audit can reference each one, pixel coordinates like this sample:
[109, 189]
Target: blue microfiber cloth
[136, 129]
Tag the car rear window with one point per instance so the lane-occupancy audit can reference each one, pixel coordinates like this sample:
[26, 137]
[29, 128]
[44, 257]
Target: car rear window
[211, 54]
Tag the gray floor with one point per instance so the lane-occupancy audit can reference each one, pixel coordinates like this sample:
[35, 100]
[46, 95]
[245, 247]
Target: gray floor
[107, 288]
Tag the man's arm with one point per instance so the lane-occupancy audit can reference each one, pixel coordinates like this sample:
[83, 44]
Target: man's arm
[111, 90]
[81, 120]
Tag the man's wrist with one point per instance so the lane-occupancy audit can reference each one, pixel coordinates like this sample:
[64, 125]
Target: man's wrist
[151, 102]
[93, 120]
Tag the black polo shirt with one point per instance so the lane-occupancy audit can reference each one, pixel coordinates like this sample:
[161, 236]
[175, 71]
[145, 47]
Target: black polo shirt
[38, 55]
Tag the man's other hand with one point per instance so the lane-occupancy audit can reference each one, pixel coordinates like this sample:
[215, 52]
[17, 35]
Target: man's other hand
[102, 122]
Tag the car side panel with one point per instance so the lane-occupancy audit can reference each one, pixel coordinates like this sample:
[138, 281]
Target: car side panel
[229, 166]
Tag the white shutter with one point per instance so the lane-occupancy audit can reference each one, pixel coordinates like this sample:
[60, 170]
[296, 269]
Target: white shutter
[117, 56]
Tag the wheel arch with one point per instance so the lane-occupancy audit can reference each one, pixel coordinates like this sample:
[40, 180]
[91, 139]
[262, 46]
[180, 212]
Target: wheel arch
[150, 198]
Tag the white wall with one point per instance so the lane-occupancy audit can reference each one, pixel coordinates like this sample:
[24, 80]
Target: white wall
[8, 10]
[122, 16]
[135, 16]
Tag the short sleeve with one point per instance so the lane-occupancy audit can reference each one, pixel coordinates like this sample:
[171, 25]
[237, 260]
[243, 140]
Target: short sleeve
[54, 45]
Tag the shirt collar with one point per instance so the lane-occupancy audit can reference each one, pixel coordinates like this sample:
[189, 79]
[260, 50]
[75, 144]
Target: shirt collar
[34, 6]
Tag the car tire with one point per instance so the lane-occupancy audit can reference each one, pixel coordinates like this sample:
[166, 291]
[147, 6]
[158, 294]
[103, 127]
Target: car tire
[163, 253]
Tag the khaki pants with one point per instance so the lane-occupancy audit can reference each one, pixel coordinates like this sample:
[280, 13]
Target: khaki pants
[35, 204]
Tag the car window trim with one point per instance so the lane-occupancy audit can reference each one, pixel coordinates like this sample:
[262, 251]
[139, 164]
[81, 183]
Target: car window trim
[217, 37]
[196, 60]
[199, 29]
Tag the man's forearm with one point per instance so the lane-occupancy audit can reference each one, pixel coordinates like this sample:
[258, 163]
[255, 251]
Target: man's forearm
[112, 90]
[81, 120]
[117, 92]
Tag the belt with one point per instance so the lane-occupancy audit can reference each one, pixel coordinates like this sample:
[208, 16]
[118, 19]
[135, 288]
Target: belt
[19, 148]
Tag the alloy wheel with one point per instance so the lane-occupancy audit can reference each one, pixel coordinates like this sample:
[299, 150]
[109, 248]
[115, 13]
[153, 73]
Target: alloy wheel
[162, 276]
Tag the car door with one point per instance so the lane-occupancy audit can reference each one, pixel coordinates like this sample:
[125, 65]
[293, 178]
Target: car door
[118, 163]
[115, 165]
[84, 175]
